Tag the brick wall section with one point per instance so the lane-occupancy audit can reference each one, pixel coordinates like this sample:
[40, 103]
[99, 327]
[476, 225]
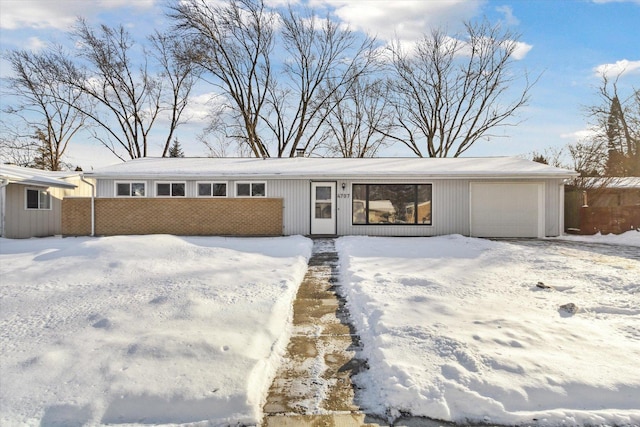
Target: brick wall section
[76, 216]
[200, 217]
[616, 219]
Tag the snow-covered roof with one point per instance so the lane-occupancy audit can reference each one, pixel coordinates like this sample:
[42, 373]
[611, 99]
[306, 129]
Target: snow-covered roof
[618, 183]
[35, 177]
[335, 168]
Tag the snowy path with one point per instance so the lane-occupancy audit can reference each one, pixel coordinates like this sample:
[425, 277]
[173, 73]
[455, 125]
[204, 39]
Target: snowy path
[314, 379]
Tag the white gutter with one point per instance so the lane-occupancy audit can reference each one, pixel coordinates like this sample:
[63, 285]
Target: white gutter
[93, 204]
[3, 195]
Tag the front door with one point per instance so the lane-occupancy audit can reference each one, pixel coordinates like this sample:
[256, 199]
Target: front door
[323, 208]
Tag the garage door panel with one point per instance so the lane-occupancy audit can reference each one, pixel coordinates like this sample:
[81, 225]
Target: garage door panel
[506, 209]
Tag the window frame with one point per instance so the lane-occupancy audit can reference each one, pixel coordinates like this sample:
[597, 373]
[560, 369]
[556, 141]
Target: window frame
[171, 184]
[40, 192]
[211, 183]
[416, 205]
[130, 183]
[251, 184]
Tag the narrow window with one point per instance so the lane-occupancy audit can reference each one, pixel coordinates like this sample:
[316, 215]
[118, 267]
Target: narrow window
[243, 189]
[123, 189]
[251, 189]
[204, 189]
[212, 189]
[258, 189]
[170, 189]
[163, 189]
[130, 189]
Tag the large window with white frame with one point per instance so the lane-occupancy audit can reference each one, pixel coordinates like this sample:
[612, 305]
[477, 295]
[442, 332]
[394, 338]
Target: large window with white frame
[130, 189]
[212, 189]
[171, 189]
[251, 189]
[37, 199]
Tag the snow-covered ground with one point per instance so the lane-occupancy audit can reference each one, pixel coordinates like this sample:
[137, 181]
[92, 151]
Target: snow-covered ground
[457, 328]
[170, 330]
[630, 238]
[143, 329]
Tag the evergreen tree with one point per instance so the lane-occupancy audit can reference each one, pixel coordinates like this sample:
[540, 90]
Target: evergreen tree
[623, 153]
[176, 150]
[44, 158]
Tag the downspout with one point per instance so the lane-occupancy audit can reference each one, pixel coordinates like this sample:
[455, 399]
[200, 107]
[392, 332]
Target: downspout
[3, 195]
[93, 204]
[561, 226]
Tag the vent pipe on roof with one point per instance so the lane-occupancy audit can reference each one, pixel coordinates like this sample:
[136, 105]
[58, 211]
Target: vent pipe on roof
[299, 152]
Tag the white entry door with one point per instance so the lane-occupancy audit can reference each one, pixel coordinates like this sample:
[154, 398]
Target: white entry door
[323, 208]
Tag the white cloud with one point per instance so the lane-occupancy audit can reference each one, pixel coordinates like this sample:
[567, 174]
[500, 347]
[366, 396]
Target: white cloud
[200, 106]
[619, 68]
[404, 19]
[279, 3]
[60, 15]
[580, 135]
[509, 18]
[521, 50]
[35, 44]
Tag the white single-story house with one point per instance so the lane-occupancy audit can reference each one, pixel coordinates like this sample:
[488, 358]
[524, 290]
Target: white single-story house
[30, 200]
[484, 197]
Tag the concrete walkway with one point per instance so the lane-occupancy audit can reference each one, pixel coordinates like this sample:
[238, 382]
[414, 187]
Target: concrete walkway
[313, 386]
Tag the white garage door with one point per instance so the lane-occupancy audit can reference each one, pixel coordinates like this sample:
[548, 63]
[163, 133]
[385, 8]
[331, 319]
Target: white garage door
[507, 209]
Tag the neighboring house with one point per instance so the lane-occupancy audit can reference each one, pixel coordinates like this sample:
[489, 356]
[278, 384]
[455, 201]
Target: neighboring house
[486, 197]
[30, 200]
[605, 205]
[609, 192]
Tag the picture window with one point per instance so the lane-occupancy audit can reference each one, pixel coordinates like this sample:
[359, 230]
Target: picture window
[391, 204]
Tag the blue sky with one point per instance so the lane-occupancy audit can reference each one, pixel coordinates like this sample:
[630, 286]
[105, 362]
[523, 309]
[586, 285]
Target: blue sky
[568, 41]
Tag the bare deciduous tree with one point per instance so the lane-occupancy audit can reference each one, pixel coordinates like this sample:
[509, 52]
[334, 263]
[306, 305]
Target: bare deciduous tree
[17, 146]
[272, 115]
[450, 92]
[178, 73]
[323, 61]
[233, 43]
[45, 109]
[351, 126]
[128, 94]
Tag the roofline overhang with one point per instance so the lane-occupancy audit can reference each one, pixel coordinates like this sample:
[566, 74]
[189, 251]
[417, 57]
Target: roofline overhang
[312, 177]
[38, 183]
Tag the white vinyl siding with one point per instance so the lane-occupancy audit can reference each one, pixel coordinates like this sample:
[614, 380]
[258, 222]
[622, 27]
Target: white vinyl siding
[450, 197]
[20, 223]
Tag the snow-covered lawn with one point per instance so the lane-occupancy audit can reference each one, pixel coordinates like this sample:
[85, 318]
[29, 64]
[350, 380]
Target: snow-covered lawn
[170, 330]
[456, 328]
[143, 329]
